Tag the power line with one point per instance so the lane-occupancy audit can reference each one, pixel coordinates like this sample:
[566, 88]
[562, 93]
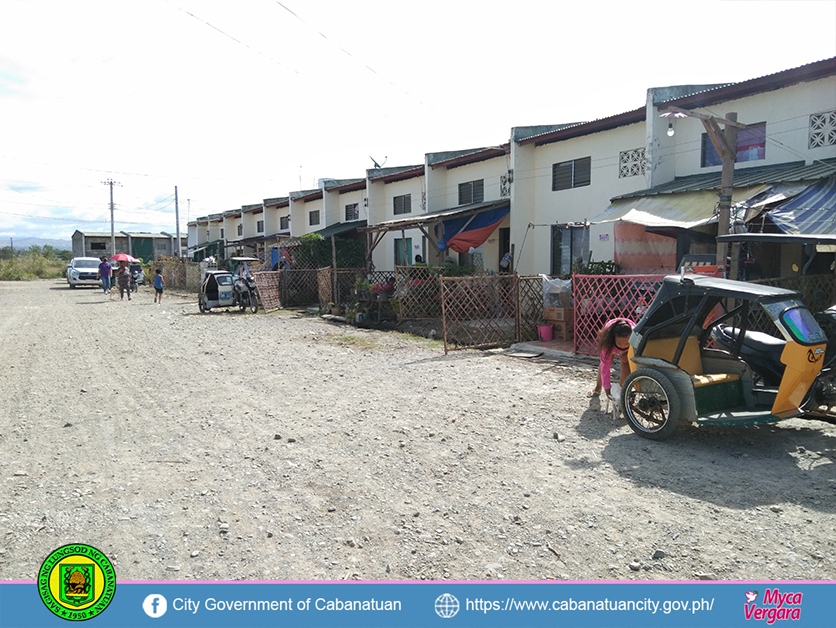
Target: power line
[237, 41]
[352, 57]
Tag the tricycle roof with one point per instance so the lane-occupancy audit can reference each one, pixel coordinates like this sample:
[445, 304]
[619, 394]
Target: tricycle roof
[675, 285]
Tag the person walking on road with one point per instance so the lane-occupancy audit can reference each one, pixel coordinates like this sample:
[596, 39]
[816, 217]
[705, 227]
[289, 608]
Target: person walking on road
[105, 269]
[158, 286]
[123, 279]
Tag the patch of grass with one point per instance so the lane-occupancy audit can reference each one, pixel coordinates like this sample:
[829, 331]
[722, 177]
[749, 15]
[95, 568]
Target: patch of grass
[353, 340]
[29, 267]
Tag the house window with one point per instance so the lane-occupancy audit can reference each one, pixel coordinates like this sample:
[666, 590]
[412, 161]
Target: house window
[401, 252]
[631, 163]
[571, 174]
[284, 223]
[240, 230]
[222, 234]
[313, 218]
[403, 204]
[823, 129]
[98, 246]
[472, 192]
[352, 212]
[259, 226]
[751, 146]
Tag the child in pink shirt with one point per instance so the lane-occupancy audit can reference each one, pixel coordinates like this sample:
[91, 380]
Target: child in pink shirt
[612, 341]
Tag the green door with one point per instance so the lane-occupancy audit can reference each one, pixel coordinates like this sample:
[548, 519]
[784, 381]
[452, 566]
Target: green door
[143, 248]
[401, 255]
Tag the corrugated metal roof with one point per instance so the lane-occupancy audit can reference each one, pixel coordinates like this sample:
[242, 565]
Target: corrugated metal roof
[388, 175]
[701, 98]
[281, 200]
[306, 195]
[451, 159]
[586, 128]
[743, 177]
[766, 83]
[345, 185]
[341, 227]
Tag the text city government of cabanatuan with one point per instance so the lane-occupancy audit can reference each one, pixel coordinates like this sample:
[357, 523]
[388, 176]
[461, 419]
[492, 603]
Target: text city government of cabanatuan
[319, 604]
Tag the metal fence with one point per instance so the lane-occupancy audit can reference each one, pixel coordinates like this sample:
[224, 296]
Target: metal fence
[817, 293]
[599, 298]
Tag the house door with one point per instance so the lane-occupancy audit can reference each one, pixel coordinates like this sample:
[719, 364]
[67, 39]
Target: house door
[569, 245]
[504, 243]
[403, 250]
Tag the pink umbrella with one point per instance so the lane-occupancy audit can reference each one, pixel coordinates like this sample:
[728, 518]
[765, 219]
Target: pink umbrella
[124, 257]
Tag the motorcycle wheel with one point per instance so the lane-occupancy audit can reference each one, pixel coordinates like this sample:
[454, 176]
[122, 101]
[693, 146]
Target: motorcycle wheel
[650, 403]
[253, 302]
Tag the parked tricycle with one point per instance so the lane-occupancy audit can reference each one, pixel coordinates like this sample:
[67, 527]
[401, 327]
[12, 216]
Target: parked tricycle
[677, 376]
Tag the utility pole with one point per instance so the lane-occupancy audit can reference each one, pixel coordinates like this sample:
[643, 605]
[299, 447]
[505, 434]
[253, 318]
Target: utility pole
[177, 218]
[725, 143]
[111, 183]
[728, 141]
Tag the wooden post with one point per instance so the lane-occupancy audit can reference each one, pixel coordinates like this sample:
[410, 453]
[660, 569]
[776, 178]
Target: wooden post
[334, 270]
[726, 187]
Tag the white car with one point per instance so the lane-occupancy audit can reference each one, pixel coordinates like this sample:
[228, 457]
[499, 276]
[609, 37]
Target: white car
[83, 271]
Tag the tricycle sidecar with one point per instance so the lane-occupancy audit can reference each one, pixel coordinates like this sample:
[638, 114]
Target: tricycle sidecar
[216, 290]
[677, 376]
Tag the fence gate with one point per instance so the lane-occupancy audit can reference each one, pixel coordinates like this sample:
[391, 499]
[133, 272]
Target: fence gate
[267, 282]
[479, 312]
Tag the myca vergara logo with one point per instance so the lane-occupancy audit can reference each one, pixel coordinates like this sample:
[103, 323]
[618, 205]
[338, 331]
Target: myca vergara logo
[76, 582]
[776, 606]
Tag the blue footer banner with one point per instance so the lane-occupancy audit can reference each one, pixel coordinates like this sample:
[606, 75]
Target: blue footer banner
[75, 594]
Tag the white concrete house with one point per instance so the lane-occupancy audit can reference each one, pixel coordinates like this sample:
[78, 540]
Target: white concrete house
[277, 216]
[627, 169]
[306, 212]
[396, 193]
[470, 181]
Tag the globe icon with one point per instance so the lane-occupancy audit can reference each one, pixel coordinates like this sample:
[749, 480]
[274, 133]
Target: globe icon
[446, 606]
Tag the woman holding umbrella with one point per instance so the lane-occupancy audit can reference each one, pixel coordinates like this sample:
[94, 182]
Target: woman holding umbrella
[123, 278]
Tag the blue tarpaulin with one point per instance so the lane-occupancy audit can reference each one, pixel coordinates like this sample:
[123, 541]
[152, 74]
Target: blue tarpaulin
[460, 234]
[811, 211]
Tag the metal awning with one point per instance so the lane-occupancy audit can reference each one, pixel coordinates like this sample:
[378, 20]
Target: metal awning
[341, 227]
[685, 210]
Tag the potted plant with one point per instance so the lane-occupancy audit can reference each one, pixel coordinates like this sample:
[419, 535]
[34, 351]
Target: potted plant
[336, 310]
[362, 289]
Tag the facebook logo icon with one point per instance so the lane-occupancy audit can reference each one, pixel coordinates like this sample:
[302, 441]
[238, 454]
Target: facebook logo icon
[155, 605]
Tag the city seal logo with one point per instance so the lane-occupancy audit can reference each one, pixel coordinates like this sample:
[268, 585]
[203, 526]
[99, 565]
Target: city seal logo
[76, 582]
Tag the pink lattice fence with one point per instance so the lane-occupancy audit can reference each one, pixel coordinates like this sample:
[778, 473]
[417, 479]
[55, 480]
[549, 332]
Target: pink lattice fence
[598, 298]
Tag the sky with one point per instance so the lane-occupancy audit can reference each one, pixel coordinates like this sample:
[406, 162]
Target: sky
[235, 102]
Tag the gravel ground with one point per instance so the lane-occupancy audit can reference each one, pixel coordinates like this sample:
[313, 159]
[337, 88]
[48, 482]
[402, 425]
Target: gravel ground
[281, 446]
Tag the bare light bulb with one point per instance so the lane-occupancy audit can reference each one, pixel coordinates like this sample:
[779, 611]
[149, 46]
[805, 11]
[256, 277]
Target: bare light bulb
[670, 129]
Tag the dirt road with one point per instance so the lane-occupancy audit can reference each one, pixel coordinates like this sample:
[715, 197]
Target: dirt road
[236, 446]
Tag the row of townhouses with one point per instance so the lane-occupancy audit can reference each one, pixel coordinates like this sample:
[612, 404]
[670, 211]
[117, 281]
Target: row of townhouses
[640, 187]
